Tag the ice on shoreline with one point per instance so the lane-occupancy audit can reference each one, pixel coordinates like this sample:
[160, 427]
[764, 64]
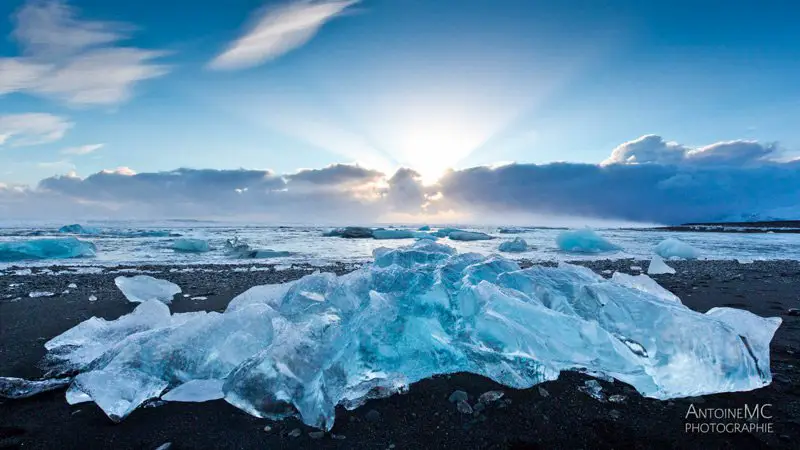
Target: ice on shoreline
[303, 347]
[141, 288]
[659, 267]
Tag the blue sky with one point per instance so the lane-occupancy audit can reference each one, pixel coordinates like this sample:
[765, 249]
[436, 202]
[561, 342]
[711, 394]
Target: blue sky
[427, 85]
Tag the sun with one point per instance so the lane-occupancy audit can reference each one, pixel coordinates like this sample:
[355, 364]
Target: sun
[433, 147]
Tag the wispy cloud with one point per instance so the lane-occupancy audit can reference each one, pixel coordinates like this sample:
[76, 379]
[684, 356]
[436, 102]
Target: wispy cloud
[77, 61]
[82, 150]
[276, 31]
[19, 130]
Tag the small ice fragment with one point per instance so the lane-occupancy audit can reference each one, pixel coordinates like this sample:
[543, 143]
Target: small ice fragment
[458, 396]
[593, 389]
[141, 288]
[186, 295]
[584, 240]
[36, 294]
[608, 271]
[92, 298]
[490, 396]
[75, 395]
[543, 392]
[744, 260]
[72, 286]
[164, 446]
[639, 268]
[659, 267]
[517, 245]
[65, 292]
[11, 387]
[191, 245]
[463, 407]
[616, 398]
[196, 391]
[295, 433]
[673, 247]
[316, 434]
[199, 297]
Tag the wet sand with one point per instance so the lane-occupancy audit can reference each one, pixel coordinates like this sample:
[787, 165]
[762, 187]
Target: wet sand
[559, 416]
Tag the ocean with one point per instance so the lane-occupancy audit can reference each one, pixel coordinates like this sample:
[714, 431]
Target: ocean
[133, 243]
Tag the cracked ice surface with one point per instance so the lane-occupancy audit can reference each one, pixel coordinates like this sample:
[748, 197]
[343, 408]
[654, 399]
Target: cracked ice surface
[303, 347]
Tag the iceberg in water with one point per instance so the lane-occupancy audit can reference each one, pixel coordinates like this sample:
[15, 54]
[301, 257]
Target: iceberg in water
[78, 229]
[141, 288]
[468, 236]
[350, 233]
[424, 228]
[191, 245]
[658, 266]
[59, 248]
[671, 247]
[240, 249]
[584, 240]
[516, 245]
[304, 347]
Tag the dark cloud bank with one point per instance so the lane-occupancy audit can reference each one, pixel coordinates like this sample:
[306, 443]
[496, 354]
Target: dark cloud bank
[646, 180]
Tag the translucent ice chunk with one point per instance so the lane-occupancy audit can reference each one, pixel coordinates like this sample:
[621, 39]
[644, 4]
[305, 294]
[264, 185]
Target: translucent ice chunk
[645, 284]
[77, 347]
[11, 387]
[192, 245]
[658, 266]
[302, 348]
[195, 391]
[672, 247]
[118, 393]
[46, 249]
[584, 241]
[141, 288]
[514, 246]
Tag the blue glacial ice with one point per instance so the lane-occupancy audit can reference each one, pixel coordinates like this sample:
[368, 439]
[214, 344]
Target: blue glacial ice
[517, 245]
[584, 240]
[141, 288]
[424, 228]
[78, 229]
[58, 248]
[350, 233]
[192, 245]
[301, 348]
[671, 247]
[460, 235]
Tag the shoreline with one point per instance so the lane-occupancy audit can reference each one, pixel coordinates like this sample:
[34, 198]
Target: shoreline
[422, 417]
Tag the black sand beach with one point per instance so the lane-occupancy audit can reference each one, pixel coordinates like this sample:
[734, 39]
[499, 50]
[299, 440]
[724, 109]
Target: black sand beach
[551, 415]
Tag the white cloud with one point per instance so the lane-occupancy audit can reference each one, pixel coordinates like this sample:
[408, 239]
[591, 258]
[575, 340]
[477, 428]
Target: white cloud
[82, 150]
[74, 60]
[19, 130]
[276, 31]
[652, 149]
